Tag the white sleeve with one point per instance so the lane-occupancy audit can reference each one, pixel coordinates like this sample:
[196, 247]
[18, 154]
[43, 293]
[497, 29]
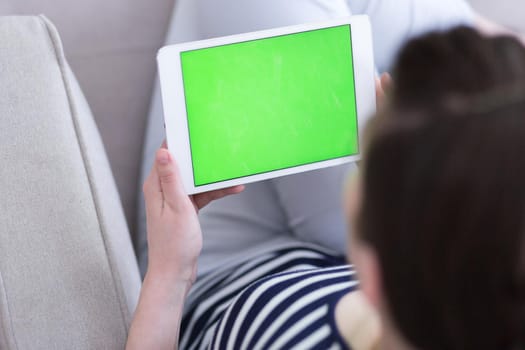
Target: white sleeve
[395, 22]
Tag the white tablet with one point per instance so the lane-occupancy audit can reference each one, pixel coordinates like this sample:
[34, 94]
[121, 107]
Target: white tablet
[259, 105]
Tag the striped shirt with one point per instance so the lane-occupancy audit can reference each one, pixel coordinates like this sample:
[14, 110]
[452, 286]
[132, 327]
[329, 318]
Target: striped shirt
[281, 300]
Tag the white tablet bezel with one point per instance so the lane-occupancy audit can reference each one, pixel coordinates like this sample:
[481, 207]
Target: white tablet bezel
[174, 105]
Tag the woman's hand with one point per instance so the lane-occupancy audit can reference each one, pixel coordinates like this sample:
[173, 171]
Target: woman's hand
[175, 242]
[174, 234]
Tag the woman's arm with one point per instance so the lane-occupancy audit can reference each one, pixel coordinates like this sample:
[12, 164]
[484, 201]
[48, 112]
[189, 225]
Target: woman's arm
[174, 244]
[157, 319]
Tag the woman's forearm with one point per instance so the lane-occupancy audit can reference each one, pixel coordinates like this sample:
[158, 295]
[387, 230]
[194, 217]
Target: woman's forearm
[157, 319]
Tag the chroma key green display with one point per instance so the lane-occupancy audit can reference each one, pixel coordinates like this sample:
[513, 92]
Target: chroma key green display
[270, 104]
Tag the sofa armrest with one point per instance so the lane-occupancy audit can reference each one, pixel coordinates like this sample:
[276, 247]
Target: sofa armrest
[68, 274]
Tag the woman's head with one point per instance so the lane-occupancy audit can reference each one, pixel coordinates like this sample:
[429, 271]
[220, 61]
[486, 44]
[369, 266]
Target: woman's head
[442, 214]
[459, 62]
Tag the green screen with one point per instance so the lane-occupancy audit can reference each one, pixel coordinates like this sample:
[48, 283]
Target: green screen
[270, 104]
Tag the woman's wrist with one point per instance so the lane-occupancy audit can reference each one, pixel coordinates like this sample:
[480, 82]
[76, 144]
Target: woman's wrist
[169, 280]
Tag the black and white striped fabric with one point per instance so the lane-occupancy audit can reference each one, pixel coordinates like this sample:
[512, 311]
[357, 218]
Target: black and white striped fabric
[281, 300]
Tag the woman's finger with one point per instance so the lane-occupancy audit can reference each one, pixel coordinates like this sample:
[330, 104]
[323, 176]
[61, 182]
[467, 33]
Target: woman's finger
[383, 86]
[152, 193]
[170, 182]
[380, 94]
[386, 82]
[202, 199]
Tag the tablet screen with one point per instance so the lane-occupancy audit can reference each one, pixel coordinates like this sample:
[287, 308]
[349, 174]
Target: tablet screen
[270, 104]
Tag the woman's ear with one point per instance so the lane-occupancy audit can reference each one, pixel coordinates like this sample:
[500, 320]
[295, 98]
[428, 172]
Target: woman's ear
[368, 269]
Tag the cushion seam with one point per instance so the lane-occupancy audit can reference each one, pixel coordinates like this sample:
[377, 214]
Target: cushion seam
[74, 115]
[8, 332]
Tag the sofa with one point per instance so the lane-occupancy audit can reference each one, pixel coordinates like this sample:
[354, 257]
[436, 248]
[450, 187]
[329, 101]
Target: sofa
[68, 273]
[69, 165]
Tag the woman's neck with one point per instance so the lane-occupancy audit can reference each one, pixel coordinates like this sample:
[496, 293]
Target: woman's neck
[365, 329]
[357, 322]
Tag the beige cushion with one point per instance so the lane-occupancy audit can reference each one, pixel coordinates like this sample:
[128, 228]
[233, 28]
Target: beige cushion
[68, 275]
[111, 46]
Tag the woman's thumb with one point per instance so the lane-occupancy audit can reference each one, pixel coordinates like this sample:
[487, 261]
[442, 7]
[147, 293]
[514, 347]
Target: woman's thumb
[169, 179]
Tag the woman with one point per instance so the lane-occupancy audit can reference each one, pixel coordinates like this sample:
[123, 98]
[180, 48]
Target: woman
[466, 242]
[439, 238]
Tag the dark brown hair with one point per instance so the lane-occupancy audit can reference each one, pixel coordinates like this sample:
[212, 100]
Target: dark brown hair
[444, 193]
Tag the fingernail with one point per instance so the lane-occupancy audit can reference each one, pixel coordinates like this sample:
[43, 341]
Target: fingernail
[163, 158]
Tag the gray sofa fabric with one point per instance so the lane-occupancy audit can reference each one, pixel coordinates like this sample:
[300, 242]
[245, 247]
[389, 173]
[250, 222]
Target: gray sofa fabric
[68, 274]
